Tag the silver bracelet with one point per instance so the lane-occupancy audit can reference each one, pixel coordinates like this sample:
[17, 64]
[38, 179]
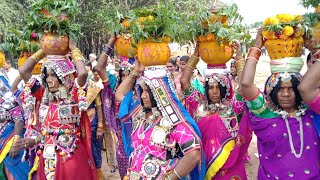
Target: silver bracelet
[175, 172]
[167, 177]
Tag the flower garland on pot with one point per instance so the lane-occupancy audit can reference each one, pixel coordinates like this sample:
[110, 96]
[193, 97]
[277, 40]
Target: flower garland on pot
[149, 30]
[215, 30]
[283, 33]
[53, 20]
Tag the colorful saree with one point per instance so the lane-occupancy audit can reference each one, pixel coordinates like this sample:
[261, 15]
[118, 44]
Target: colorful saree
[225, 132]
[150, 160]
[93, 100]
[13, 168]
[64, 152]
[279, 139]
[110, 111]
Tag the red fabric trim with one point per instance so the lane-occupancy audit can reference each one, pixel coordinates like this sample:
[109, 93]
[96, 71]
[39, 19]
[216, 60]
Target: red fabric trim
[131, 114]
[255, 97]
[192, 149]
[216, 66]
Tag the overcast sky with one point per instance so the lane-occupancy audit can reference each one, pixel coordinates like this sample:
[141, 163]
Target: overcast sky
[258, 10]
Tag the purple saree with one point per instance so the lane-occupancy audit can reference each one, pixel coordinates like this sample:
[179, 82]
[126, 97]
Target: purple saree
[288, 147]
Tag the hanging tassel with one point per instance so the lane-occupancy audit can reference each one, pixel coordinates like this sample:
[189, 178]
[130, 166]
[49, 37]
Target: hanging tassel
[63, 92]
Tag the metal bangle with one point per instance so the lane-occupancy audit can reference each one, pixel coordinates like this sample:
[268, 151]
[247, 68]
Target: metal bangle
[175, 172]
[107, 50]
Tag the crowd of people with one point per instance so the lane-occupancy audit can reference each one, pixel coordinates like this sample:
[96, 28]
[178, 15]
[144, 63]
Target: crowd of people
[158, 122]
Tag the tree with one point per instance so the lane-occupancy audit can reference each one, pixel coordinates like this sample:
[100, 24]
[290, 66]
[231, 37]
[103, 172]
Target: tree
[95, 17]
[11, 15]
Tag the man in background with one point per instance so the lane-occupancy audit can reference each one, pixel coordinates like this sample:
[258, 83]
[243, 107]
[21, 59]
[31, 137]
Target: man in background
[93, 59]
[12, 73]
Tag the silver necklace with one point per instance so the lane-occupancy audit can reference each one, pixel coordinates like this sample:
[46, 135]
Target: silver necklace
[298, 116]
[151, 119]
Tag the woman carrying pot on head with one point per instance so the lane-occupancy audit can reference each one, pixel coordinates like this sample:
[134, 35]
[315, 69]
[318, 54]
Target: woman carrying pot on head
[288, 144]
[111, 106]
[165, 139]
[11, 130]
[64, 142]
[225, 132]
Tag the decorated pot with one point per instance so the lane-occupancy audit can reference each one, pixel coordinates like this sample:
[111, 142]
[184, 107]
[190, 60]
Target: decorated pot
[287, 41]
[54, 44]
[153, 53]
[280, 48]
[215, 53]
[24, 57]
[124, 47]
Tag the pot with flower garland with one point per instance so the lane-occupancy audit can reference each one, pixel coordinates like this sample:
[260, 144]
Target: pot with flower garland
[53, 20]
[152, 29]
[283, 34]
[215, 30]
[125, 45]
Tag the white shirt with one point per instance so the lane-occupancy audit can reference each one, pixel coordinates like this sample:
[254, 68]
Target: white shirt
[111, 68]
[94, 63]
[12, 75]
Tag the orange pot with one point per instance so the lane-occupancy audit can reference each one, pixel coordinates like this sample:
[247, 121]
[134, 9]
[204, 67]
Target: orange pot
[213, 53]
[23, 58]
[53, 44]
[153, 54]
[124, 47]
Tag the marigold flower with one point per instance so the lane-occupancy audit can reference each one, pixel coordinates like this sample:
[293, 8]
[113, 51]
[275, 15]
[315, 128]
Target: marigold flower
[285, 18]
[266, 22]
[270, 35]
[298, 17]
[274, 20]
[288, 31]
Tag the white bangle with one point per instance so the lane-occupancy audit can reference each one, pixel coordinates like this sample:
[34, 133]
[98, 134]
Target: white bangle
[80, 87]
[175, 172]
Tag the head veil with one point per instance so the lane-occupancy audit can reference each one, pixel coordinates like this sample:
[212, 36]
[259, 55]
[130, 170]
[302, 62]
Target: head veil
[282, 69]
[155, 77]
[221, 75]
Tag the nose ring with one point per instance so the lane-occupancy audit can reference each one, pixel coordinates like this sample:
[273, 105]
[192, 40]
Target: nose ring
[50, 84]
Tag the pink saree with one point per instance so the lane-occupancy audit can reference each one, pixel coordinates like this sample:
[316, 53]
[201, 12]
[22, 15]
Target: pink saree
[224, 153]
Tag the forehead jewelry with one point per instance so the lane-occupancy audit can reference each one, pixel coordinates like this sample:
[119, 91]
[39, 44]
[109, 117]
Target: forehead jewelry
[285, 77]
